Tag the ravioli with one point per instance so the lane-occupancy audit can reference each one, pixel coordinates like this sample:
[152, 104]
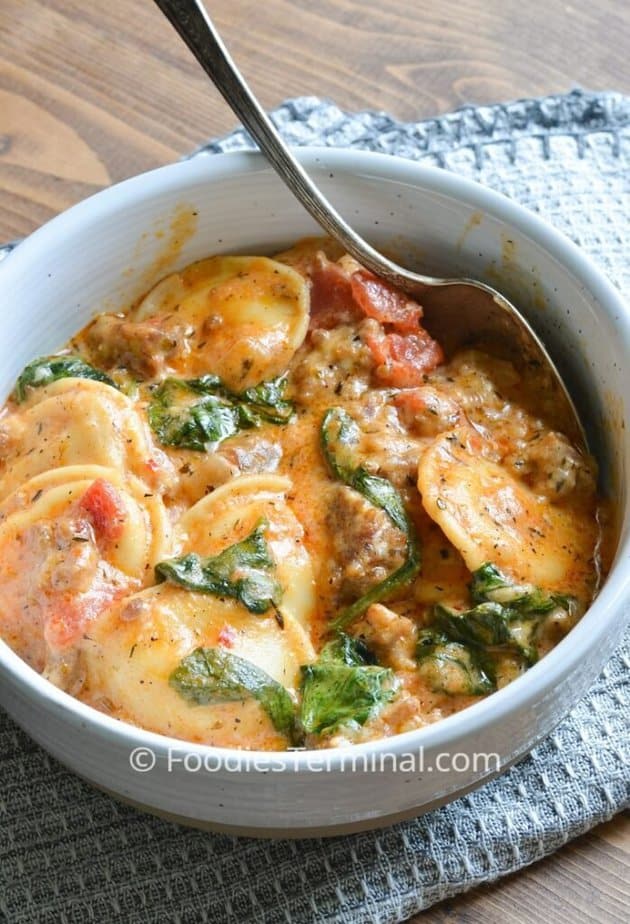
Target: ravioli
[490, 516]
[130, 657]
[71, 542]
[239, 524]
[231, 512]
[242, 317]
[147, 531]
[76, 422]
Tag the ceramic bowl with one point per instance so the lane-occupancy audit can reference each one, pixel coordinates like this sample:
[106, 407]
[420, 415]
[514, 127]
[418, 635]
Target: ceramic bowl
[104, 252]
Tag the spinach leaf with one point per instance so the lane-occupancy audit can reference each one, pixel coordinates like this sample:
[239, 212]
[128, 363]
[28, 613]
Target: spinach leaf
[208, 384]
[485, 624]
[179, 421]
[525, 608]
[451, 667]
[199, 413]
[213, 675]
[382, 493]
[265, 400]
[242, 571]
[343, 687]
[339, 438]
[268, 402]
[47, 369]
[346, 650]
[489, 584]
[497, 637]
[488, 625]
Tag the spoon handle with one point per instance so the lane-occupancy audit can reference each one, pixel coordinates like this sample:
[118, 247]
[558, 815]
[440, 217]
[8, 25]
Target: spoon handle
[192, 22]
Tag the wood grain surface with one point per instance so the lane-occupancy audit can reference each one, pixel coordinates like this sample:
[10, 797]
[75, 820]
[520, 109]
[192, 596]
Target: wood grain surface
[91, 93]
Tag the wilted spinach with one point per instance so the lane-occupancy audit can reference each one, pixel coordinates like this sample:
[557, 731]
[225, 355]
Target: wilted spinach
[47, 369]
[243, 571]
[200, 413]
[344, 686]
[213, 675]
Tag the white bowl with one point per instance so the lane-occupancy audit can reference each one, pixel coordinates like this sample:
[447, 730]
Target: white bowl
[104, 252]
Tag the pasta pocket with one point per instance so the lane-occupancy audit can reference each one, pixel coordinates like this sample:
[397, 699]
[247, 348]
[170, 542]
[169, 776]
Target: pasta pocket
[241, 317]
[233, 511]
[131, 657]
[240, 591]
[76, 422]
[489, 515]
[71, 542]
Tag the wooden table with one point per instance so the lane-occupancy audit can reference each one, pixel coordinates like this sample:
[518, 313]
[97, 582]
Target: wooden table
[91, 93]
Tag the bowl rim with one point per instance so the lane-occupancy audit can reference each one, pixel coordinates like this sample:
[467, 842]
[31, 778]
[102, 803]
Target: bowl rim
[538, 681]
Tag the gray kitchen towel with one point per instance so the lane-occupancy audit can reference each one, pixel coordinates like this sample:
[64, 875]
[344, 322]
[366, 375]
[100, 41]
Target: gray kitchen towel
[71, 854]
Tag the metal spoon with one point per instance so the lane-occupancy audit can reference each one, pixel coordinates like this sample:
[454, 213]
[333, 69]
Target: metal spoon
[456, 311]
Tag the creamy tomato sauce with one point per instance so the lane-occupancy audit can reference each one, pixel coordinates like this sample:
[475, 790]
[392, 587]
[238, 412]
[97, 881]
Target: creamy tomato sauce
[263, 509]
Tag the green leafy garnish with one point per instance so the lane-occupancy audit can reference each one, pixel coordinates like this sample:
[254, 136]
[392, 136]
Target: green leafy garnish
[268, 402]
[451, 667]
[496, 637]
[490, 625]
[488, 584]
[343, 687]
[48, 369]
[178, 419]
[213, 675]
[340, 436]
[343, 649]
[200, 413]
[242, 571]
[486, 624]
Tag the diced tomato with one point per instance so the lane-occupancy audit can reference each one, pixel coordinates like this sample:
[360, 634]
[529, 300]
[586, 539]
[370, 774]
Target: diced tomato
[340, 297]
[385, 303]
[404, 352]
[227, 636]
[332, 301]
[106, 510]
[403, 360]
[418, 402]
[412, 401]
[475, 443]
[69, 615]
[65, 623]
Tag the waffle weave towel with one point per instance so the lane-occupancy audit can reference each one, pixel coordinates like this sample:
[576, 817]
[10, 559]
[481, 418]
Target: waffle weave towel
[70, 854]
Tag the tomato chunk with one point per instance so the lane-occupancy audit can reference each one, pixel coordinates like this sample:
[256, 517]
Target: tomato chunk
[404, 352]
[106, 510]
[332, 301]
[402, 361]
[383, 302]
[227, 636]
